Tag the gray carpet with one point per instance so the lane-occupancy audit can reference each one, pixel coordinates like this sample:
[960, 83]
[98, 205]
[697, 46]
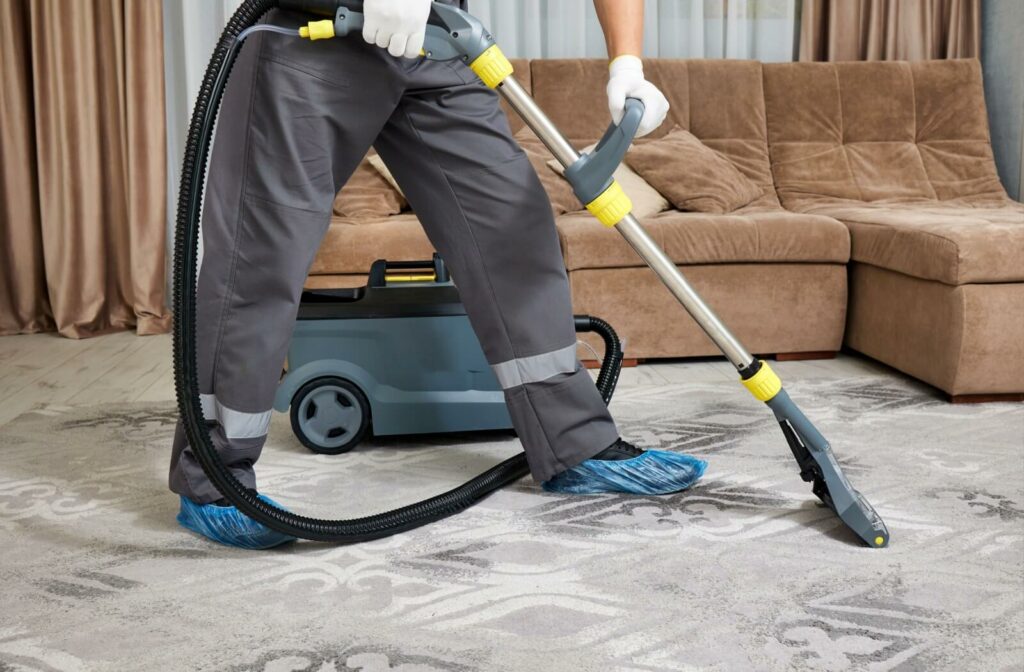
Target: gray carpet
[744, 572]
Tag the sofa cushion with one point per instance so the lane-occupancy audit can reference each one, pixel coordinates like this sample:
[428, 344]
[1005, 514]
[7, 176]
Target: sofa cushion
[572, 93]
[368, 195]
[878, 131]
[647, 201]
[350, 247]
[521, 67]
[558, 190]
[382, 169]
[750, 235]
[954, 242]
[721, 102]
[691, 175]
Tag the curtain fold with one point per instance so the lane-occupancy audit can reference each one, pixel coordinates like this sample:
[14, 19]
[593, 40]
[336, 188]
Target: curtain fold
[889, 30]
[23, 302]
[88, 164]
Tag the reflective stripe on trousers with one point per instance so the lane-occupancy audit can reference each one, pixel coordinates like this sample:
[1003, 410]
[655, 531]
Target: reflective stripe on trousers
[534, 369]
[236, 424]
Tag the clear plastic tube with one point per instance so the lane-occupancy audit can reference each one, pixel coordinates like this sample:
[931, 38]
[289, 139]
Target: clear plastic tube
[268, 28]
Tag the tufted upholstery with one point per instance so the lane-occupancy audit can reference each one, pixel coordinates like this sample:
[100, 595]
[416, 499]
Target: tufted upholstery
[721, 102]
[900, 152]
[879, 131]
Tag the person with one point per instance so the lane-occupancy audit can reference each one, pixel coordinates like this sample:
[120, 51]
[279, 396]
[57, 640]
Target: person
[296, 121]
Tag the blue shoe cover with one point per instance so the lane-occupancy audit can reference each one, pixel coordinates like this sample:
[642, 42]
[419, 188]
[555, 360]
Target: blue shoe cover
[227, 525]
[655, 472]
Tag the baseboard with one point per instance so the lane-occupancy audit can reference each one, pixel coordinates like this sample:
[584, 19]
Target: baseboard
[594, 364]
[803, 356]
[984, 398]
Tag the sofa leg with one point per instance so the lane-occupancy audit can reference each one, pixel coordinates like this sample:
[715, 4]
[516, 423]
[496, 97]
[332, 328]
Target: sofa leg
[984, 398]
[802, 356]
[595, 364]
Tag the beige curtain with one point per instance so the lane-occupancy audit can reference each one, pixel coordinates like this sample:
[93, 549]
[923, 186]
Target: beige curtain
[82, 167]
[890, 30]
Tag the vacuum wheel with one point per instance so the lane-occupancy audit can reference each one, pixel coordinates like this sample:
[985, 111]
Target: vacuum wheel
[330, 415]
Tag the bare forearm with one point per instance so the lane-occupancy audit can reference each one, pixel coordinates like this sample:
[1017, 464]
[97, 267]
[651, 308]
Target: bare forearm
[623, 24]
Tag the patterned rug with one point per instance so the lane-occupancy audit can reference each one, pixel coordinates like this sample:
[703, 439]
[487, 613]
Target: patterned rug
[744, 572]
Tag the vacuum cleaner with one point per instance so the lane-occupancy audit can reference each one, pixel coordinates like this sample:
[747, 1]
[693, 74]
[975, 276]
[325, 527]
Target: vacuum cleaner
[344, 377]
[455, 34]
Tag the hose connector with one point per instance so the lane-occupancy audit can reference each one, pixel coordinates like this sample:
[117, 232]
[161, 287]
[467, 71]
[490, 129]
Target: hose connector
[764, 384]
[317, 30]
[492, 66]
[612, 206]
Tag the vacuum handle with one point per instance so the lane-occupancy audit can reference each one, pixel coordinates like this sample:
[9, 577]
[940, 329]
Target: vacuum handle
[619, 137]
[330, 9]
[321, 7]
[451, 33]
[592, 173]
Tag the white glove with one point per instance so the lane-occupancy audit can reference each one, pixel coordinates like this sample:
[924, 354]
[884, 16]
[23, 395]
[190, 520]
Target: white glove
[627, 81]
[399, 26]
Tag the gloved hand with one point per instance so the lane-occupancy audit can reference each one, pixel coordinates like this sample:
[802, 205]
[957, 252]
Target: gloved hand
[399, 26]
[627, 81]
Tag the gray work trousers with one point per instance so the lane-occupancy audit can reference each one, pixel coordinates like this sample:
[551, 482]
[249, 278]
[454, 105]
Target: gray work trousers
[297, 119]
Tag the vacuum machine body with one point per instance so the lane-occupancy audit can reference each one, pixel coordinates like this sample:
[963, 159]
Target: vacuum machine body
[405, 343]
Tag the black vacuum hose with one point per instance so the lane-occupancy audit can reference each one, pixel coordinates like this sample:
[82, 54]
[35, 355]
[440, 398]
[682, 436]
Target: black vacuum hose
[186, 375]
[611, 364]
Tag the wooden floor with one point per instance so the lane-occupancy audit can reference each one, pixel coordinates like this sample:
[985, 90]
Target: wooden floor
[46, 369]
[43, 369]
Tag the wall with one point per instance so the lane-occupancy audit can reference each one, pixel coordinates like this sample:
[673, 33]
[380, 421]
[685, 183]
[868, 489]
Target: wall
[1002, 59]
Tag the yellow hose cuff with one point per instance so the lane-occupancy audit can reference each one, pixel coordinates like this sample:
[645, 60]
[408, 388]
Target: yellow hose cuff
[492, 67]
[611, 206]
[317, 30]
[764, 385]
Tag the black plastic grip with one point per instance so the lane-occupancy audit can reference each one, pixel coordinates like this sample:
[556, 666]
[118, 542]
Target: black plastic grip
[320, 7]
[592, 174]
[330, 8]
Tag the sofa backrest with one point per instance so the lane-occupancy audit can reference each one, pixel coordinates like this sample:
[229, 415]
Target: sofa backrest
[870, 131]
[719, 101]
[522, 72]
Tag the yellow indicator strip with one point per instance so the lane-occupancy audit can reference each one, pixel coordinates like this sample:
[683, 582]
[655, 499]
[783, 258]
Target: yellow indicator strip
[411, 278]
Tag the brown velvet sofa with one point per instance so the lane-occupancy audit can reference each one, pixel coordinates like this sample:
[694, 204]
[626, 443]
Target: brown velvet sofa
[878, 184]
[900, 153]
